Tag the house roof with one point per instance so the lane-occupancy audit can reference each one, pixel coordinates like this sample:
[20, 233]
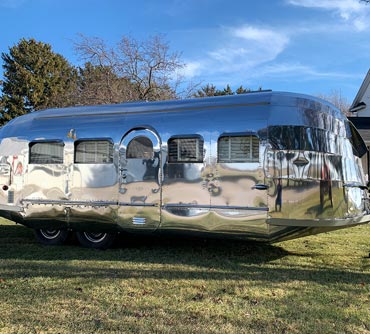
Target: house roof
[358, 103]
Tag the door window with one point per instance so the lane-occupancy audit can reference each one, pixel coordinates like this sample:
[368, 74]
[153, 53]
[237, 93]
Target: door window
[140, 148]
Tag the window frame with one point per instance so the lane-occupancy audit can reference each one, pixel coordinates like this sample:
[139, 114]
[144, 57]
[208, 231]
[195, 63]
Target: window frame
[96, 140]
[51, 141]
[250, 135]
[199, 148]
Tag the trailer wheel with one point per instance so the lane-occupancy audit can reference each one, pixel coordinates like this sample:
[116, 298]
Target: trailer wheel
[51, 236]
[97, 240]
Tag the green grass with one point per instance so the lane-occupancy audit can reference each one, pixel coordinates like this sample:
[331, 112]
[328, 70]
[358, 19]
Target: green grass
[318, 284]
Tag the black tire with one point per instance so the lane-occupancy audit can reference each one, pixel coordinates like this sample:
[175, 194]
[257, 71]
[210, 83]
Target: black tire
[97, 240]
[51, 236]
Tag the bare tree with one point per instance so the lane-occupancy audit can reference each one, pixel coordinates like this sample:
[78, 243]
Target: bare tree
[99, 85]
[337, 99]
[98, 80]
[150, 65]
[148, 68]
[94, 50]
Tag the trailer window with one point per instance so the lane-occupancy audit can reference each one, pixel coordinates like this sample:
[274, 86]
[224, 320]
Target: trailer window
[238, 149]
[46, 153]
[140, 148]
[185, 149]
[93, 151]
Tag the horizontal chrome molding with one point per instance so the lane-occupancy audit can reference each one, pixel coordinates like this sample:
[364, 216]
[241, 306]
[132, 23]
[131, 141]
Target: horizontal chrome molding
[137, 204]
[212, 207]
[68, 203]
[13, 208]
[79, 203]
[335, 222]
[112, 203]
[355, 185]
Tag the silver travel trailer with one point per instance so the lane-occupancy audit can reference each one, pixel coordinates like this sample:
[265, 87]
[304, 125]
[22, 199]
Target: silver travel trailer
[264, 166]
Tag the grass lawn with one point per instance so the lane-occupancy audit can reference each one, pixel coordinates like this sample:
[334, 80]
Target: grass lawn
[318, 284]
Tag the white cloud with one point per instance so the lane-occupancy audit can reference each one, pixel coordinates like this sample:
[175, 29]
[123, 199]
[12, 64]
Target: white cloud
[261, 35]
[250, 55]
[191, 69]
[248, 46]
[241, 49]
[272, 42]
[351, 11]
[303, 72]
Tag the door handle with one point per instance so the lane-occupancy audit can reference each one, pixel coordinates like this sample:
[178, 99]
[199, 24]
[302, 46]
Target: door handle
[260, 186]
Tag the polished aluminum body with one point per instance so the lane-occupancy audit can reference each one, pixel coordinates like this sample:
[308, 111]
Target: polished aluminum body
[307, 177]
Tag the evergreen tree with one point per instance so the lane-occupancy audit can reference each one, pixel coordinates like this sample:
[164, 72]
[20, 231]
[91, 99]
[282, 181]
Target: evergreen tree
[226, 91]
[242, 90]
[35, 78]
[207, 90]
[211, 90]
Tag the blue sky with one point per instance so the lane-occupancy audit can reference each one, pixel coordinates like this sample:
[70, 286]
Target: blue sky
[307, 46]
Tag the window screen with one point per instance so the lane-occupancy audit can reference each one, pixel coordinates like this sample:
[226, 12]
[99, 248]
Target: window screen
[185, 149]
[140, 148]
[93, 151]
[46, 153]
[238, 149]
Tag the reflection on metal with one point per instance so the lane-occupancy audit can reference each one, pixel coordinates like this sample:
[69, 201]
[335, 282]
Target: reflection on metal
[289, 166]
[301, 161]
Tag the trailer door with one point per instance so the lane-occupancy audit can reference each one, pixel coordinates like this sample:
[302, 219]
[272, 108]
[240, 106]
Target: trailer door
[139, 180]
[238, 185]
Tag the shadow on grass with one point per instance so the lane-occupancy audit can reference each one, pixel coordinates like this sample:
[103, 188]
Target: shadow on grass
[159, 258]
[18, 242]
